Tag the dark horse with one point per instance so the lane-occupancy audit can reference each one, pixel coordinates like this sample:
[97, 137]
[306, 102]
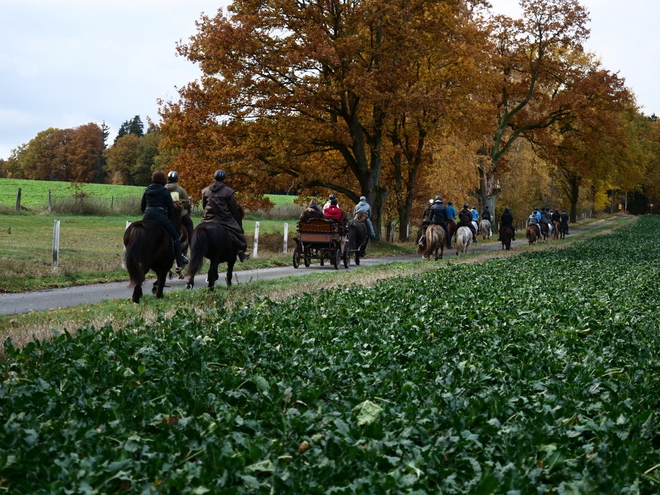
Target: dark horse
[358, 237]
[506, 234]
[150, 247]
[210, 240]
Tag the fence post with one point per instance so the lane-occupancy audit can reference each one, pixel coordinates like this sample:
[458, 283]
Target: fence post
[286, 237]
[123, 254]
[18, 200]
[56, 243]
[255, 249]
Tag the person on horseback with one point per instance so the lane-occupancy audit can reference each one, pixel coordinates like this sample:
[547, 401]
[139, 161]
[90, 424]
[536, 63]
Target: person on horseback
[545, 219]
[535, 220]
[220, 206]
[439, 217]
[426, 221]
[465, 217]
[507, 221]
[564, 221]
[485, 215]
[451, 211]
[157, 206]
[179, 194]
[364, 207]
[556, 216]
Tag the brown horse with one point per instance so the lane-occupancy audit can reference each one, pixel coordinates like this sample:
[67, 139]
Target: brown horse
[435, 241]
[557, 228]
[532, 234]
[506, 235]
[210, 240]
[149, 247]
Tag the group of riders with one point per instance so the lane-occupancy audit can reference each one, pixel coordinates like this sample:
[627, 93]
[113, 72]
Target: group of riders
[437, 213]
[218, 202]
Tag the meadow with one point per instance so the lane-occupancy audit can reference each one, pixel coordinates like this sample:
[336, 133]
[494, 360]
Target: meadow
[534, 373]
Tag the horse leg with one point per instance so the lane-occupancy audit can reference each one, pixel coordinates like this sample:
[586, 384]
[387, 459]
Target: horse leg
[137, 293]
[230, 271]
[162, 275]
[212, 275]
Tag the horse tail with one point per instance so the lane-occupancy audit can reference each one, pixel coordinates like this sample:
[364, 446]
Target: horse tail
[135, 238]
[198, 247]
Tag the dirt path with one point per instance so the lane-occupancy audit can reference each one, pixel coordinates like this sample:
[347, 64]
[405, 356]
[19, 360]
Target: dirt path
[26, 302]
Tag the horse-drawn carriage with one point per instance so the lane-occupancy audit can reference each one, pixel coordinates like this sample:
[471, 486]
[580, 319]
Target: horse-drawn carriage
[321, 239]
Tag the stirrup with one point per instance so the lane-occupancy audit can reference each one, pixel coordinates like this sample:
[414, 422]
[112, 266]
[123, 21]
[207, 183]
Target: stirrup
[243, 256]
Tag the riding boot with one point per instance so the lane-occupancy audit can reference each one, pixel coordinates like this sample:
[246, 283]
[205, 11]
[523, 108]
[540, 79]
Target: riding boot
[243, 256]
[181, 260]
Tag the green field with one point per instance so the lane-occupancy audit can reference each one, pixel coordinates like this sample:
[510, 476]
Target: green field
[34, 193]
[536, 373]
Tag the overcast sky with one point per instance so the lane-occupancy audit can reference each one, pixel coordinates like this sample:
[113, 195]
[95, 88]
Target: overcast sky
[65, 63]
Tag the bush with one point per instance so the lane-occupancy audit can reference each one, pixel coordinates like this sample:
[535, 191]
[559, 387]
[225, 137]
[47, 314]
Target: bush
[96, 206]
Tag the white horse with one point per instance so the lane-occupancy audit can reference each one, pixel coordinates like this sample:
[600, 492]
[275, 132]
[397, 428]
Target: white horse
[486, 231]
[463, 239]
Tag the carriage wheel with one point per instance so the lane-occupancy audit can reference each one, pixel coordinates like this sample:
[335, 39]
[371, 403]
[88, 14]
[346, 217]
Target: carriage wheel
[296, 257]
[347, 258]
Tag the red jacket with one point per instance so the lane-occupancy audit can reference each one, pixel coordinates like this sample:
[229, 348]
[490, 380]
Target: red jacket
[333, 211]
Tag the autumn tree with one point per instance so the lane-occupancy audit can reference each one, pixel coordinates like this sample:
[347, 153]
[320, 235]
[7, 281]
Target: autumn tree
[533, 57]
[120, 159]
[133, 126]
[311, 92]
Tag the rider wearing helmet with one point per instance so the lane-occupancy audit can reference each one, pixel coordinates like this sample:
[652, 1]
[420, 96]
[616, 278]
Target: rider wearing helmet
[220, 206]
[465, 220]
[507, 221]
[365, 208]
[439, 217]
[179, 194]
[157, 206]
[535, 219]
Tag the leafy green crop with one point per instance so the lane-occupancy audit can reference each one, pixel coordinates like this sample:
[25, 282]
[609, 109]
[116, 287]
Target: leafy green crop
[523, 375]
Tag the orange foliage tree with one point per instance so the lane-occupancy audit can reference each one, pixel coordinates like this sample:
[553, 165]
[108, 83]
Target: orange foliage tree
[321, 95]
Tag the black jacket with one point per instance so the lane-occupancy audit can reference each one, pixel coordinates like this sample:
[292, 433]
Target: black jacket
[438, 213]
[157, 196]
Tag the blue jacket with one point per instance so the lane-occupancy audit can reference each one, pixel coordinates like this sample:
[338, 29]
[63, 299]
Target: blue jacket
[475, 215]
[451, 212]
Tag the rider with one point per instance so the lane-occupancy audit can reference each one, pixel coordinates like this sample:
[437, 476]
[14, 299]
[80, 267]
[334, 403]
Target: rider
[451, 211]
[364, 207]
[556, 216]
[179, 194]
[220, 206]
[439, 217]
[507, 220]
[535, 219]
[157, 205]
[465, 220]
[564, 221]
[475, 217]
[426, 221]
[485, 215]
[545, 219]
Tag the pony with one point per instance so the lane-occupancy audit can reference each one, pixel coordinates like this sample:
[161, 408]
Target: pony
[150, 247]
[506, 234]
[545, 231]
[532, 234]
[358, 236]
[210, 240]
[463, 239]
[486, 231]
[557, 229]
[451, 227]
[435, 241]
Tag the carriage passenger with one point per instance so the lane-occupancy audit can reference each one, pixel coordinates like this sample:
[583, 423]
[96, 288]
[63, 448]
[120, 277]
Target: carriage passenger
[333, 211]
[219, 203]
[507, 221]
[312, 211]
[329, 201]
[364, 207]
[157, 206]
[465, 217]
[179, 194]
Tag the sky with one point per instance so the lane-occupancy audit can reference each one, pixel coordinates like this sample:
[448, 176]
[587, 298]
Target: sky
[65, 63]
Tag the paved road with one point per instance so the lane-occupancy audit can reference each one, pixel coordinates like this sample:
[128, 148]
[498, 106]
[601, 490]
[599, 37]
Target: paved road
[43, 300]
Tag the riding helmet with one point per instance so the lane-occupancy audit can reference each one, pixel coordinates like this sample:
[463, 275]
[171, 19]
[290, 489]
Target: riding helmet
[173, 177]
[506, 209]
[466, 206]
[332, 196]
[438, 198]
[220, 175]
[363, 198]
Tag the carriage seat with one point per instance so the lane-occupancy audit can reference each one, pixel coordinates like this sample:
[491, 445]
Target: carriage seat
[320, 225]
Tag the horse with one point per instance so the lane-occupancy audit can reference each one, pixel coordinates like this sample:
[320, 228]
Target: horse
[210, 240]
[149, 247]
[451, 227]
[532, 234]
[557, 226]
[358, 236]
[506, 234]
[563, 230]
[435, 241]
[545, 231]
[463, 239]
[486, 231]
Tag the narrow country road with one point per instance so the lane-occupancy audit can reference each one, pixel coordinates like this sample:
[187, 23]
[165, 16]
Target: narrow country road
[26, 302]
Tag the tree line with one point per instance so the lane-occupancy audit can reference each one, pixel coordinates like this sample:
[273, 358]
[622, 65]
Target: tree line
[81, 154]
[400, 101]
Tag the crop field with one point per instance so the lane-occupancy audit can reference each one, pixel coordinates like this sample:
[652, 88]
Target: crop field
[521, 375]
